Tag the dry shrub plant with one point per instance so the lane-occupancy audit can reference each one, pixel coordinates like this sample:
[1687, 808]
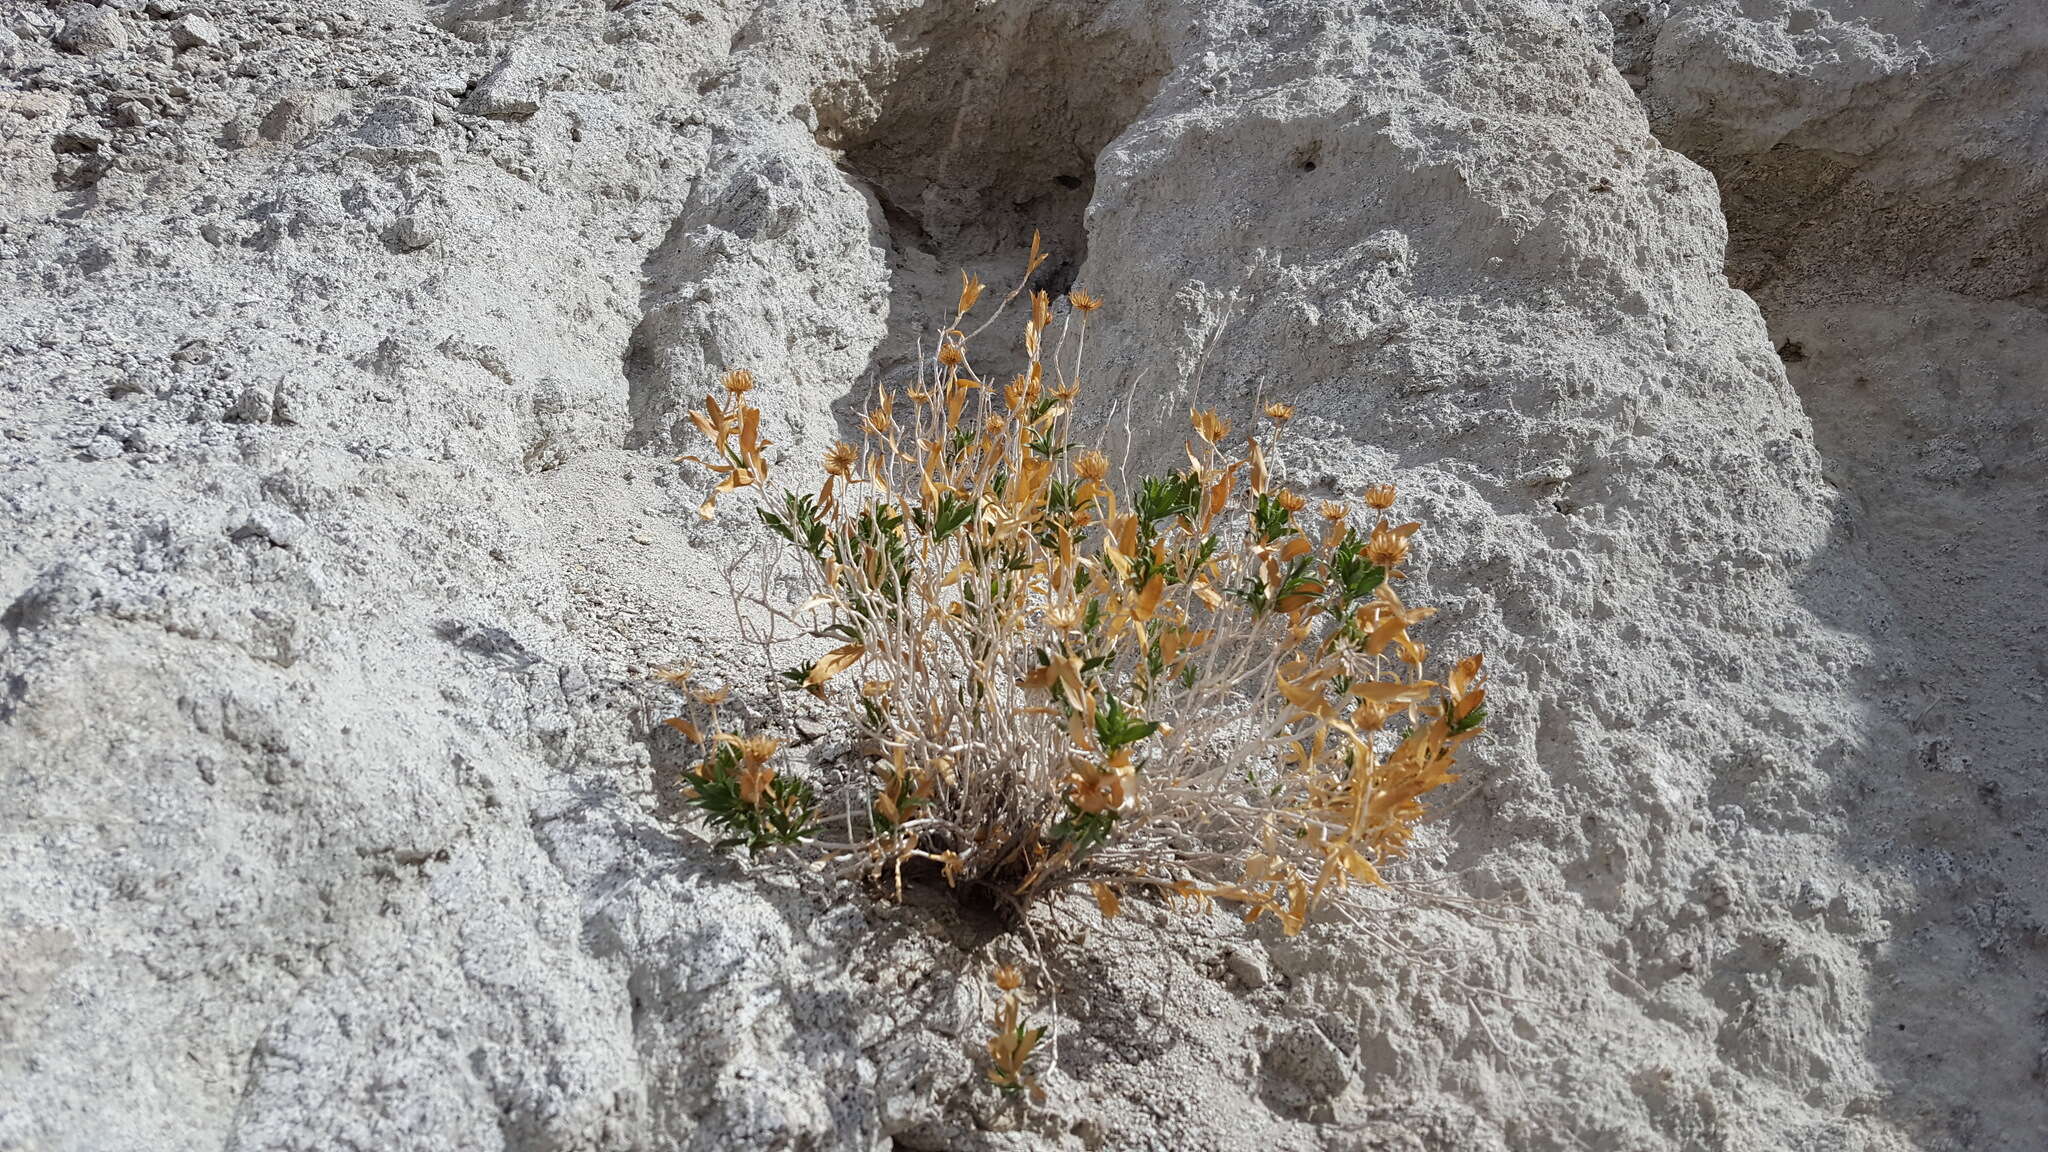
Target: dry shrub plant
[1198, 682]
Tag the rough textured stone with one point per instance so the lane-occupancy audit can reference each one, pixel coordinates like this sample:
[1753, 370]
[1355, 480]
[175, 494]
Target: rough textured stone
[1887, 207]
[195, 32]
[341, 535]
[90, 30]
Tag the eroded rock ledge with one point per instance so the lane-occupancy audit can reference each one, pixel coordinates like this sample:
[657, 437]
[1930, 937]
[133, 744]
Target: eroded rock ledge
[343, 361]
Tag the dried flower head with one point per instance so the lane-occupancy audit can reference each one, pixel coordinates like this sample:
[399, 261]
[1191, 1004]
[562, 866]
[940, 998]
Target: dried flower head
[739, 381]
[1380, 496]
[1332, 511]
[1091, 465]
[970, 290]
[1387, 547]
[841, 459]
[1212, 428]
[1083, 301]
[1280, 413]
[951, 356]
[1291, 500]
[1008, 978]
[756, 749]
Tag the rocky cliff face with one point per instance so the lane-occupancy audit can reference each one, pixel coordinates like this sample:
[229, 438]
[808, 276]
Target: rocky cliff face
[345, 351]
[1883, 172]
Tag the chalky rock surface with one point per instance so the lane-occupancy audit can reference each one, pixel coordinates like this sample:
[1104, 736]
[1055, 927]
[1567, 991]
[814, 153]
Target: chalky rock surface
[343, 353]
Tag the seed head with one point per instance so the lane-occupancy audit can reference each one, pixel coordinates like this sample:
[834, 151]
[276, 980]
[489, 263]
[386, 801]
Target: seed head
[1008, 978]
[1380, 496]
[739, 381]
[1084, 301]
[1280, 413]
[1291, 500]
[951, 356]
[1091, 465]
[1332, 511]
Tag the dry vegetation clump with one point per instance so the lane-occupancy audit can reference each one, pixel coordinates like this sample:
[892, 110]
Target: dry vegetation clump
[1196, 682]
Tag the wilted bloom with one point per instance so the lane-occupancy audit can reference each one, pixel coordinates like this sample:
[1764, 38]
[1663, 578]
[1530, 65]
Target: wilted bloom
[1280, 412]
[1412, 652]
[840, 460]
[1380, 496]
[1210, 427]
[739, 381]
[1389, 546]
[1084, 301]
[1372, 715]
[1091, 465]
[1332, 511]
[1291, 500]
[970, 290]
[1008, 978]
[1095, 790]
[951, 356]
[755, 775]
[755, 750]
[754, 784]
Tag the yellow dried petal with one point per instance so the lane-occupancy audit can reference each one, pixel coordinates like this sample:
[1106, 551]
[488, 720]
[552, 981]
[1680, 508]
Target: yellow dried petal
[1105, 899]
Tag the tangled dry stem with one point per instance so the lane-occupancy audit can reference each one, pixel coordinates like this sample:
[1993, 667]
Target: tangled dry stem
[1198, 684]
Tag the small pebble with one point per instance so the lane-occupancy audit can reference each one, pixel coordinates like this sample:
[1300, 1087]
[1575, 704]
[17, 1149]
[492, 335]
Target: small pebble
[1248, 966]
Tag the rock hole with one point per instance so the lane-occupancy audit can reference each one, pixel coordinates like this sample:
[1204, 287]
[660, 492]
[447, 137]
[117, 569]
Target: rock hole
[989, 127]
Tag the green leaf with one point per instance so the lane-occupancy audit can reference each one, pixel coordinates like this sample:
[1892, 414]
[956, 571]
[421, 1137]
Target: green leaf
[1174, 494]
[1271, 519]
[1115, 727]
[786, 814]
[1084, 831]
[953, 513]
